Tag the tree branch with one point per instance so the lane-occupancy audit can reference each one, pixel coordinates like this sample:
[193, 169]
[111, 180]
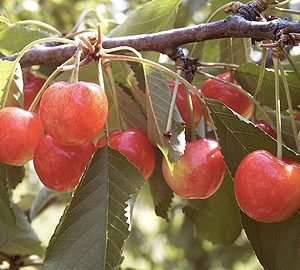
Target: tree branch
[167, 42]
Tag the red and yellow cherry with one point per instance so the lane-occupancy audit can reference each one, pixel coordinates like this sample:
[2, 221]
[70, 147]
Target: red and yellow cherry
[199, 172]
[20, 132]
[228, 95]
[60, 167]
[134, 144]
[266, 128]
[31, 88]
[73, 114]
[182, 105]
[267, 189]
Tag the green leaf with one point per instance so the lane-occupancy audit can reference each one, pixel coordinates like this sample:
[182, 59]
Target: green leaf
[16, 235]
[6, 69]
[131, 112]
[14, 175]
[153, 17]
[14, 38]
[217, 218]
[4, 23]
[157, 105]
[94, 227]
[240, 50]
[238, 137]
[162, 195]
[247, 76]
[275, 244]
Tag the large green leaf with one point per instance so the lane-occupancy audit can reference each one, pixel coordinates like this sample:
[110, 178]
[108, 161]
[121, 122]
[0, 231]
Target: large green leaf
[6, 68]
[161, 193]
[217, 218]
[154, 16]
[237, 138]
[14, 175]
[157, 104]
[14, 38]
[247, 75]
[16, 235]
[94, 227]
[240, 48]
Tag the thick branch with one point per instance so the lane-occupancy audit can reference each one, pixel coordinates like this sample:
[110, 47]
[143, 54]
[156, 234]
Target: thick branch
[167, 42]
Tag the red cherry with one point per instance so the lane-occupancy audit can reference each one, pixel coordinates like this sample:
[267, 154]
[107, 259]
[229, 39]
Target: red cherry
[229, 96]
[31, 88]
[199, 172]
[267, 189]
[60, 166]
[181, 103]
[73, 114]
[20, 132]
[297, 116]
[134, 144]
[266, 128]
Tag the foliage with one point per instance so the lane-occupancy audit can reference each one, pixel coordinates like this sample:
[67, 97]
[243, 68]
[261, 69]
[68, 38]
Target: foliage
[99, 215]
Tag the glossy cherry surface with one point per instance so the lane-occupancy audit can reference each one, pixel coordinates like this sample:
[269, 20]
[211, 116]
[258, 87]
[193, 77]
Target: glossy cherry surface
[266, 128]
[60, 167]
[134, 144]
[181, 103]
[73, 114]
[266, 188]
[32, 86]
[199, 172]
[20, 132]
[228, 95]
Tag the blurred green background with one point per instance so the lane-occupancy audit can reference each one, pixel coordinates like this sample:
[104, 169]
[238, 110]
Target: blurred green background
[154, 243]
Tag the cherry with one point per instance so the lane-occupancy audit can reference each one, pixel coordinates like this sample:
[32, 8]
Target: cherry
[31, 88]
[20, 132]
[73, 114]
[228, 95]
[134, 144]
[267, 189]
[297, 116]
[199, 172]
[58, 166]
[266, 128]
[181, 103]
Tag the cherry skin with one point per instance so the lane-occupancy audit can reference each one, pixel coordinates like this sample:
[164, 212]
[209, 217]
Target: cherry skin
[228, 95]
[266, 128]
[73, 114]
[20, 132]
[199, 172]
[297, 116]
[266, 188]
[181, 103]
[60, 167]
[31, 88]
[134, 144]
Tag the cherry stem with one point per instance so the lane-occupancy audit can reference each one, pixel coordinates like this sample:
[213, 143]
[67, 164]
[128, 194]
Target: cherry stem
[173, 103]
[39, 24]
[20, 55]
[260, 79]
[286, 10]
[283, 3]
[191, 113]
[291, 62]
[217, 65]
[75, 72]
[239, 89]
[278, 112]
[82, 17]
[290, 105]
[112, 86]
[47, 82]
[99, 37]
[221, 8]
[134, 88]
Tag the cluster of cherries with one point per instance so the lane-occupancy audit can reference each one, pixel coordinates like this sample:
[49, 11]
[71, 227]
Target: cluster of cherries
[61, 136]
[266, 188]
